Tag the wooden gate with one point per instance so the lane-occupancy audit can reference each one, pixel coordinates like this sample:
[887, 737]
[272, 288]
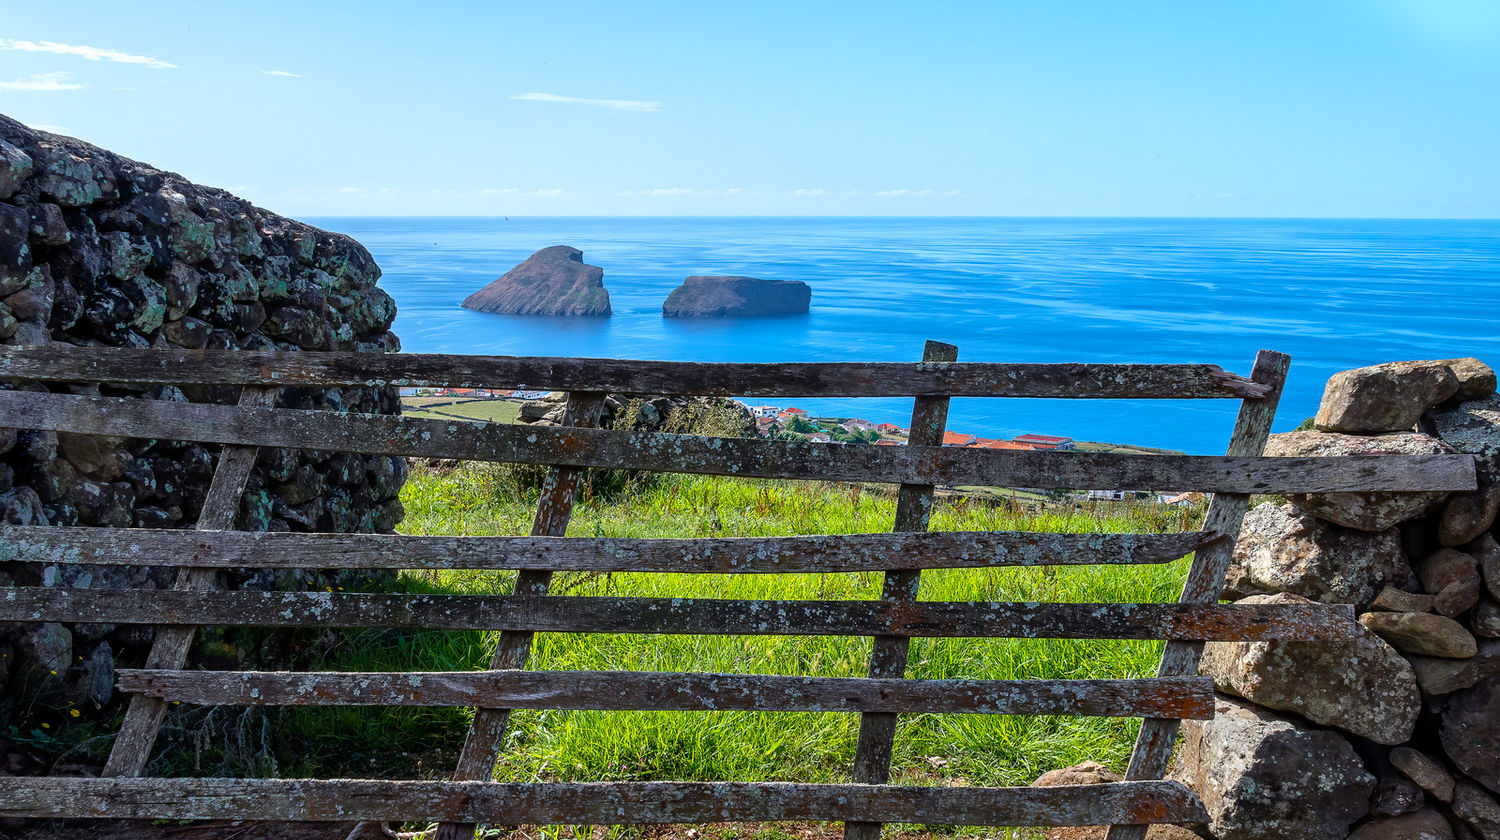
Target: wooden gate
[863, 804]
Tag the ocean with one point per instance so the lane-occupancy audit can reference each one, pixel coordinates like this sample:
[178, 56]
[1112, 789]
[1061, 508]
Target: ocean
[1334, 294]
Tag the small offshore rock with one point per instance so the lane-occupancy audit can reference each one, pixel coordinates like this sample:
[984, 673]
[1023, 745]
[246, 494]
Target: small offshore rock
[1264, 777]
[1452, 578]
[736, 297]
[1476, 379]
[1467, 515]
[1422, 824]
[1389, 397]
[1361, 685]
[1283, 549]
[1470, 731]
[1392, 599]
[1364, 511]
[1422, 633]
[553, 281]
[1427, 772]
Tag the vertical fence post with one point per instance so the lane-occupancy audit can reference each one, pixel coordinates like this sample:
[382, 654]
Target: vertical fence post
[482, 745]
[169, 648]
[877, 730]
[1205, 580]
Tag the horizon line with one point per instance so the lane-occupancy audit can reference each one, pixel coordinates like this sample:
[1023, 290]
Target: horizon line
[890, 216]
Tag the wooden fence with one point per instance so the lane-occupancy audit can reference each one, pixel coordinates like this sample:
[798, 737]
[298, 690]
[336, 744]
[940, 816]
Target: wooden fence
[867, 801]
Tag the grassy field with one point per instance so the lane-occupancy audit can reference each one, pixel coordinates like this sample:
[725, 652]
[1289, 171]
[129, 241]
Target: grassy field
[553, 745]
[458, 408]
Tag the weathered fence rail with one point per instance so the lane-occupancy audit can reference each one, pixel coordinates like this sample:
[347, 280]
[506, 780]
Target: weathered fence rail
[893, 620]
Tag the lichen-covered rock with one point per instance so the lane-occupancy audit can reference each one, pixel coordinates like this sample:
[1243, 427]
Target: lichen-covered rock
[1364, 511]
[1389, 397]
[1438, 675]
[1422, 824]
[1467, 515]
[1471, 731]
[553, 281]
[1487, 551]
[1452, 578]
[1485, 622]
[15, 167]
[1427, 772]
[1362, 686]
[736, 297]
[1392, 599]
[97, 249]
[1264, 777]
[1282, 549]
[1473, 427]
[1422, 633]
[1477, 809]
[1476, 379]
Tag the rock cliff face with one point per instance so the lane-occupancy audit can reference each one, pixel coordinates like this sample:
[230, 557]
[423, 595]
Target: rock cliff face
[96, 249]
[736, 297]
[553, 281]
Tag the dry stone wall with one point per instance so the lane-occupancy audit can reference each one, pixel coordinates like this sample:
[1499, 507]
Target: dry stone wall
[97, 249]
[1407, 715]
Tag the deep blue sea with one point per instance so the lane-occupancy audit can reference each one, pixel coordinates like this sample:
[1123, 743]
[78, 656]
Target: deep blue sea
[1334, 294]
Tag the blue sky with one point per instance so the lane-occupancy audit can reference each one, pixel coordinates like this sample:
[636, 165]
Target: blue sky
[1311, 108]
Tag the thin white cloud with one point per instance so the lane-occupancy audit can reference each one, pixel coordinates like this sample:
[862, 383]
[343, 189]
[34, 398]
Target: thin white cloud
[89, 53]
[906, 193]
[44, 82]
[518, 192]
[809, 193]
[286, 74]
[668, 192]
[611, 104]
[348, 189]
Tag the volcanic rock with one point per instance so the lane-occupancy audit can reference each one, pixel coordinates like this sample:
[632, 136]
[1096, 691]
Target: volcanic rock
[553, 281]
[1473, 428]
[1477, 809]
[1423, 824]
[1364, 511]
[1437, 675]
[1467, 515]
[736, 297]
[1429, 773]
[1476, 380]
[1263, 777]
[1471, 731]
[1361, 685]
[1452, 578]
[1282, 549]
[1383, 398]
[1422, 633]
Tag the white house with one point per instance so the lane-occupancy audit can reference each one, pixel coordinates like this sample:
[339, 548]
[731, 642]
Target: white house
[764, 411]
[1107, 495]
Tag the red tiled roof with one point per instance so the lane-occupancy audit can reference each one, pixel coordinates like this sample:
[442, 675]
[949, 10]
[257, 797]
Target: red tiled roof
[1043, 439]
[956, 439]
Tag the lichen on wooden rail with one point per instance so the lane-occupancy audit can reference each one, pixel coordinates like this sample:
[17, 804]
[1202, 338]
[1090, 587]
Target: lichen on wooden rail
[591, 803]
[726, 555]
[567, 614]
[749, 458]
[1178, 697]
[785, 379]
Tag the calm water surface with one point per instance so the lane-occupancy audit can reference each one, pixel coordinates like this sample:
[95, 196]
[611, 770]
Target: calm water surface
[1334, 294]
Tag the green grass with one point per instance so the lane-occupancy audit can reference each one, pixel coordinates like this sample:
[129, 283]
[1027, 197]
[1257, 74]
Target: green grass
[457, 408]
[581, 745]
